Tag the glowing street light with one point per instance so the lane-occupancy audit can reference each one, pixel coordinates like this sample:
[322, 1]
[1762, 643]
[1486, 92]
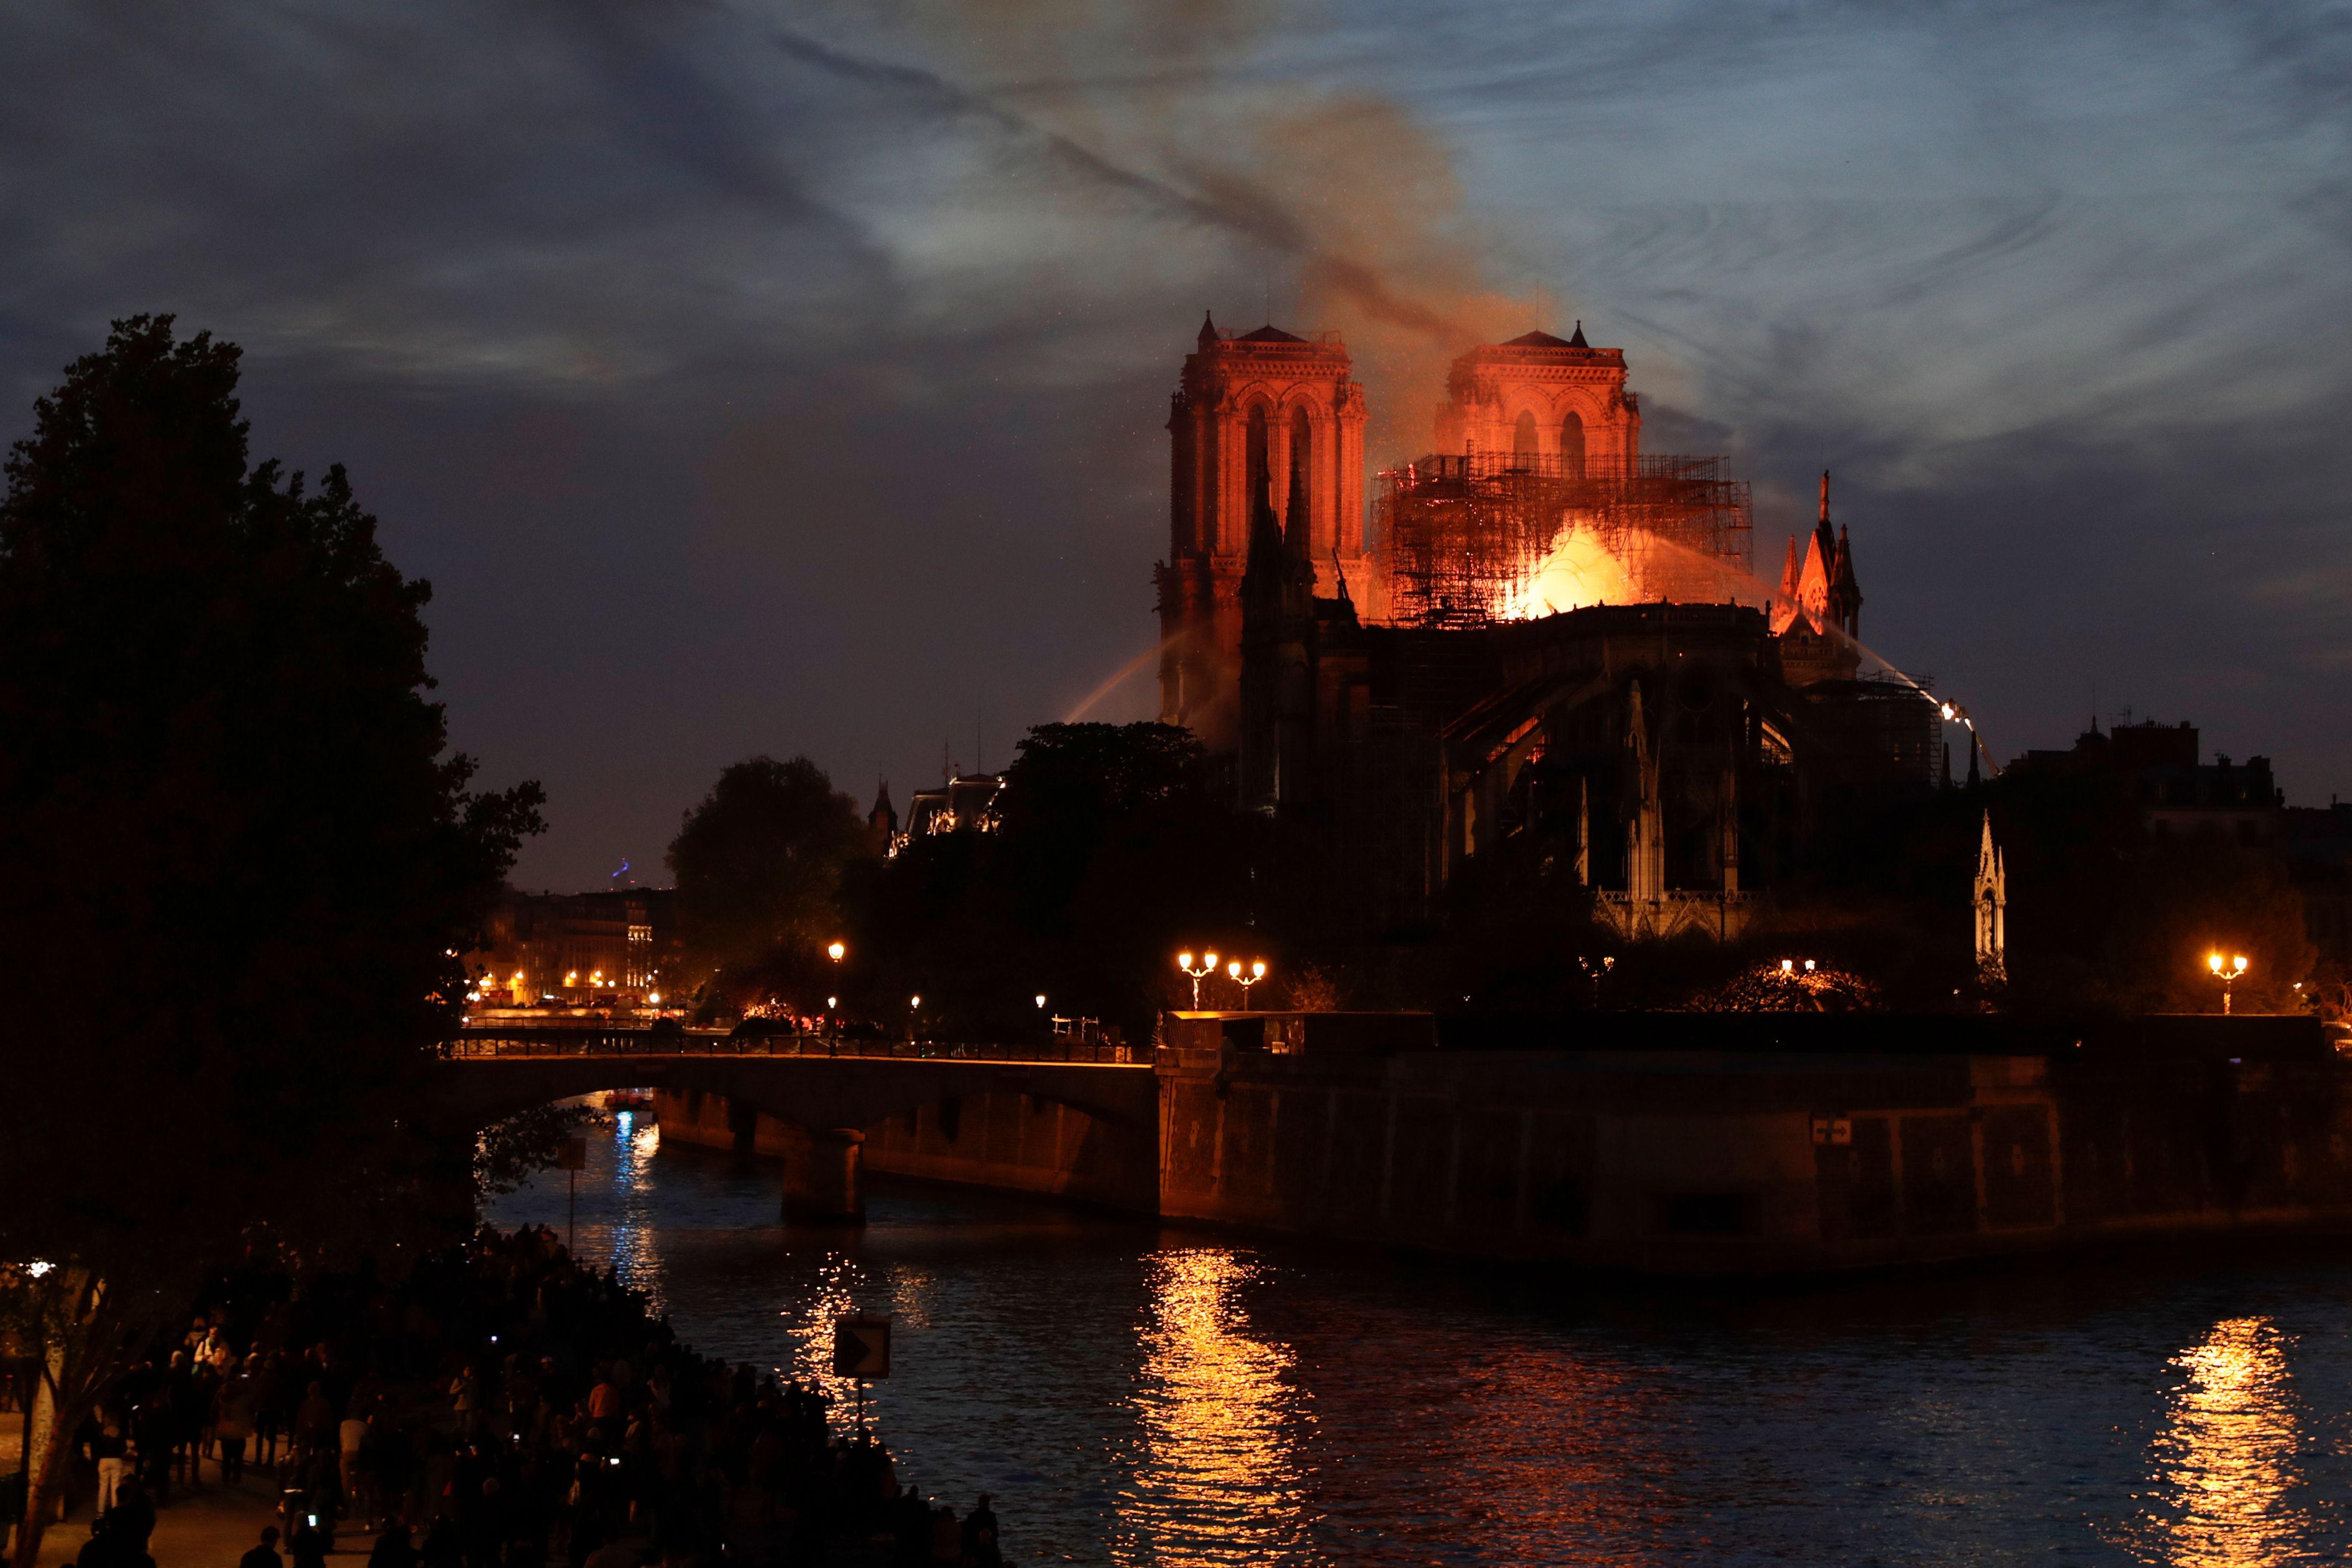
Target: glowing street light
[1208, 968]
[835, 951]
[1256, 973]
[2227, 973]
[1041, 1001]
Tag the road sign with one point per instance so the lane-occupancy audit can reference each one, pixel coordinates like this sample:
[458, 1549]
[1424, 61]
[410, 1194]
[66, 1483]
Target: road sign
[573, 1155]
[861, 1347]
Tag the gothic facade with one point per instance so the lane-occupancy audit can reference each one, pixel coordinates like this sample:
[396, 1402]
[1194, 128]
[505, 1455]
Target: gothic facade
[1256, 414]
[1673, 752]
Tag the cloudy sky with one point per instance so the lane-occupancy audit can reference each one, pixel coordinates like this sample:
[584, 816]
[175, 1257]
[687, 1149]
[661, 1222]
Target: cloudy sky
[790, 377]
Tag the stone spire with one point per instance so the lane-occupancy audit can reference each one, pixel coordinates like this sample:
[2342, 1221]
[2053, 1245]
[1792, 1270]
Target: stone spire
[1784, 608]
[1645, 865]
[1991, 910]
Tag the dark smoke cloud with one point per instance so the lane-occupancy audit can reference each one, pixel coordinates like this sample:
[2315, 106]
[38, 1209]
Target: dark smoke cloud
[790, 377]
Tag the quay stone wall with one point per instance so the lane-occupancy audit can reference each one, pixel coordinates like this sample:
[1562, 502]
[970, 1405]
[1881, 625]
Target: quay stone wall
[1670, 1161]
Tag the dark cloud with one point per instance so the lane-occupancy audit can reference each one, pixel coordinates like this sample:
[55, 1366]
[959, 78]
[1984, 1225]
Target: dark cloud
[789, 376]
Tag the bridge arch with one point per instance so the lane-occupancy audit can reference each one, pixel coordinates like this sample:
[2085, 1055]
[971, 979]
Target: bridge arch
[829, 1106]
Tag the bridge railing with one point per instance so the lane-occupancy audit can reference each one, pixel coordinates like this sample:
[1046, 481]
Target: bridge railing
[495, 1044]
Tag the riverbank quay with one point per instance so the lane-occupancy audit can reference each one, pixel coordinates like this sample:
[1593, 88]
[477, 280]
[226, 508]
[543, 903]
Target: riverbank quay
[1702, 1146]
[495, 1406]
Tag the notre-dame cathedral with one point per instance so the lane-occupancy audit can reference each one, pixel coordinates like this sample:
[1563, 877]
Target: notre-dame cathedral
[1534, 641]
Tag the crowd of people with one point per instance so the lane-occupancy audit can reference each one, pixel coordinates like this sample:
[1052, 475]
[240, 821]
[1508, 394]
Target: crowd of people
[501, 1406]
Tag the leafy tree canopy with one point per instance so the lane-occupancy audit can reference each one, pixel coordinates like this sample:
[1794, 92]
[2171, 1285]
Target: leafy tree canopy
[240, 859]
[758, 865]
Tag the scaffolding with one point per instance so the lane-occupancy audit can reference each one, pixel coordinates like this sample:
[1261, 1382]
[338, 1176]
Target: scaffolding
[1467, 537]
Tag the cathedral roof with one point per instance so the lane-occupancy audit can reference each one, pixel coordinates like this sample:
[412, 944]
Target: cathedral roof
[1546, 340]
[1269, 333]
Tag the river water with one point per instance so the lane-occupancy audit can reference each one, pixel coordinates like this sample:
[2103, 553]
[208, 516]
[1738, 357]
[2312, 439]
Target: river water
[1138, 1394]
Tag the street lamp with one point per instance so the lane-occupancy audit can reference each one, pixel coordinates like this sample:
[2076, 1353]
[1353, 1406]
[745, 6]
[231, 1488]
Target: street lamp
[1256, 973]
[835, 951]
[2226, 973]
[1208, 968]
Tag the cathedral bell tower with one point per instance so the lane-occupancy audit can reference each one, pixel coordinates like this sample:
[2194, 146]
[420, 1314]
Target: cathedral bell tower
[1257, 416]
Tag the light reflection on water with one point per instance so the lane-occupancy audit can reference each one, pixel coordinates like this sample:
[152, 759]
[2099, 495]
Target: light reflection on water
[629, 1238]
[1222, 1420]
[2227, 1459]
[1147, 1396]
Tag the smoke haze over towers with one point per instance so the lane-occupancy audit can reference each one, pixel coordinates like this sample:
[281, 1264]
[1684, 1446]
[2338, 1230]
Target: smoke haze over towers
[778, 378]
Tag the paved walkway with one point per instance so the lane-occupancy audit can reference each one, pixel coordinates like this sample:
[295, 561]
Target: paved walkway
[209, 1526]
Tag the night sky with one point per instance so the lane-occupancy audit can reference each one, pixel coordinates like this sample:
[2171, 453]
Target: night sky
[791, 379]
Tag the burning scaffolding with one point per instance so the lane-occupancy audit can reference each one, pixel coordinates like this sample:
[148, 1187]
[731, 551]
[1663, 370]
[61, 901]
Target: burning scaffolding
[1510, 535]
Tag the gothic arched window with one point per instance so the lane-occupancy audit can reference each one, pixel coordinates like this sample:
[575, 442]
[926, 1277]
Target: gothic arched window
[1523, 438]
[1571, 446]
[1299, 512]
[1255, 473]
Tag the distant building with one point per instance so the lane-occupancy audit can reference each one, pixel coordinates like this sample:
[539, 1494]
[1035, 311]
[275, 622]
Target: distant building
[2180, 795]
[2318, 843]
[967, 803]
[620, 946]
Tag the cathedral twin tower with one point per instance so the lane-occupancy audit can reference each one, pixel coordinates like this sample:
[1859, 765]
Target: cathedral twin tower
[1271, 417]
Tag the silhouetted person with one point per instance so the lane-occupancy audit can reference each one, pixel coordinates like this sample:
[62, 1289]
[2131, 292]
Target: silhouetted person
[134, 1517]
[309, 1547]
[111, 1449]
[232, 1424]
[979, 1536]
[314, 1421]
[392, 1547]
[266, 1555]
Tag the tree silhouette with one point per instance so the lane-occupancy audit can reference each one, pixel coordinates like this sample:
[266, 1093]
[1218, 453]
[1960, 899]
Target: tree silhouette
[240, 862]
[759, 864]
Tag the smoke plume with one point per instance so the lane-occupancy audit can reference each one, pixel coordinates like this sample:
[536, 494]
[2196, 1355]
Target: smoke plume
[1346, 205]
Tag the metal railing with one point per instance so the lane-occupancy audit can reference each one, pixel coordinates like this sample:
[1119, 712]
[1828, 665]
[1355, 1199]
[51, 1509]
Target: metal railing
[478, 1045]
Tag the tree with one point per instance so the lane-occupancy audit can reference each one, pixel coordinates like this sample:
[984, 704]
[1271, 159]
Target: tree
[1114, 848]
[240, 860]
[759, 866]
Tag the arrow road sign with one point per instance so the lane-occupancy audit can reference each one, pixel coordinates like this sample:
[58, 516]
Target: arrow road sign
[861, 1347]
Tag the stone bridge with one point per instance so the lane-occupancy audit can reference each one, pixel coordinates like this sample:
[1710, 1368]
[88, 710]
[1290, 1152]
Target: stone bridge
[831, 1098]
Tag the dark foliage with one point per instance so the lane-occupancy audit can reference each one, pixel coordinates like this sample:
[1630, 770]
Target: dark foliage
[759, 864]
[239, 860]
[509, 1152]
[1115, 849]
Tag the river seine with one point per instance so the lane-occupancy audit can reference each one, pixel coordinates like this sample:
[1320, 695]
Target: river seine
[1137, 1394]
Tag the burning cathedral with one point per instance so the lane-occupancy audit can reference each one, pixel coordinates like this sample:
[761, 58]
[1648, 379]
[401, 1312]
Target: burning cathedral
[1536, 643]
